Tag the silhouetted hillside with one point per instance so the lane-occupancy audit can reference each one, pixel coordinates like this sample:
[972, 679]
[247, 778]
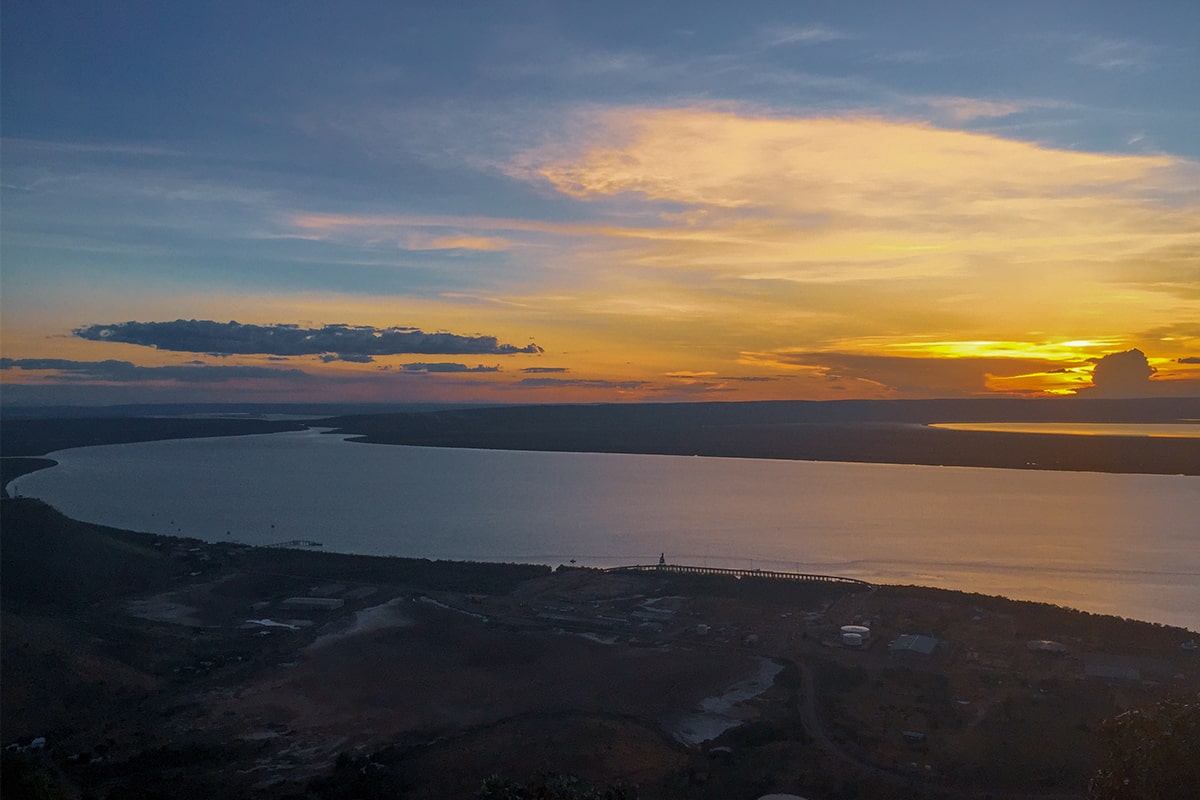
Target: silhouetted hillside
[48, 560]
[36, 437]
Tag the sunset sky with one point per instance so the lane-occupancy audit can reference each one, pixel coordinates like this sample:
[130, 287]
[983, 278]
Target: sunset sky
[547, 202]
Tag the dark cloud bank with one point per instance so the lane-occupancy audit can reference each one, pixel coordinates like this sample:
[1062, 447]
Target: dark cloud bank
[444, 367]
[359, 343]
[1124, 374]
[125, 372]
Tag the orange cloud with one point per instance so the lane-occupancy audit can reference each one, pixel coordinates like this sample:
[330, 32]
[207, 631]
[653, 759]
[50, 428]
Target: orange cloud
[713, 158]
[910, 375]
[485, 243]
[707, 234]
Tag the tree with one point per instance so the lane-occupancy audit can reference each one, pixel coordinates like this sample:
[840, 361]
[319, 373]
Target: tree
[549, 785]
[1153, 753]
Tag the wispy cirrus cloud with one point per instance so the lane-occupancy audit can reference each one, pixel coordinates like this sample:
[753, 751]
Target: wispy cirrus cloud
[1110, 54]
[921, 56]
[848, 198]
[726, 159]
[486, 243]
[815, 33]
[966, 109]
[137, 150]
[429, 231]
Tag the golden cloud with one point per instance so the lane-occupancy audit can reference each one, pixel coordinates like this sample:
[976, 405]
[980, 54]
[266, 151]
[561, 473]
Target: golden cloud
[459, 242]
[787, 196]
[725, 159]
[717, 232]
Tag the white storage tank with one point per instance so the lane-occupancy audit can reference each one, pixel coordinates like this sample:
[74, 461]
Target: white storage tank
[852, 639]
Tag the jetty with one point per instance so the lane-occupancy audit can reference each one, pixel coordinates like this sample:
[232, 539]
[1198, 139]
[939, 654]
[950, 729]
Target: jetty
[741, 573]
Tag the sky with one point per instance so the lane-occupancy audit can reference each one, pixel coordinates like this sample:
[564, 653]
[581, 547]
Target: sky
[515, 202]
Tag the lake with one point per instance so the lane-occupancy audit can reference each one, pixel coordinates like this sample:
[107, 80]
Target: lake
[1118, 544]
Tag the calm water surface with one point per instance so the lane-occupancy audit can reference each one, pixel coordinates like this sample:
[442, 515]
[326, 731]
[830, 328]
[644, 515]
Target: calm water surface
[1120, 544]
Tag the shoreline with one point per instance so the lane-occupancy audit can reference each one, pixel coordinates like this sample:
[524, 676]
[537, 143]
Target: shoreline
[347, 559]
[471, 422]
[553, 564]
[1135, 588]
[279, 665]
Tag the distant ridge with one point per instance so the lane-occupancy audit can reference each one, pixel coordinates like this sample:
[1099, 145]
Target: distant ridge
[868, 431]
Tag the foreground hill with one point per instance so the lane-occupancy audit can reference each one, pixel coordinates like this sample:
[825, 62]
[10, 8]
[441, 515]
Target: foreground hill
[21, 436]
[164, 667]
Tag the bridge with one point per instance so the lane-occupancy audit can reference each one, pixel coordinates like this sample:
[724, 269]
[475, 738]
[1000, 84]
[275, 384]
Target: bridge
[741, 573]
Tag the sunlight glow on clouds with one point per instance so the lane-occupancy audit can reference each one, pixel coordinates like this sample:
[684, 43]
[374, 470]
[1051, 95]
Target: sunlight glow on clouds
[755, 206]
[1021, 260]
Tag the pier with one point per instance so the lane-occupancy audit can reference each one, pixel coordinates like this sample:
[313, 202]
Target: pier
[295, 543]
[741, 573]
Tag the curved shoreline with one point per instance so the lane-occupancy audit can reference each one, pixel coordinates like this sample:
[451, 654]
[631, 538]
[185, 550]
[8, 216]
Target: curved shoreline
[530, 507]
[417, 665]
[13, 467]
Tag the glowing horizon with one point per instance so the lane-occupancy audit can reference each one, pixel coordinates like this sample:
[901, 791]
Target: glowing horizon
[1180, 430]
